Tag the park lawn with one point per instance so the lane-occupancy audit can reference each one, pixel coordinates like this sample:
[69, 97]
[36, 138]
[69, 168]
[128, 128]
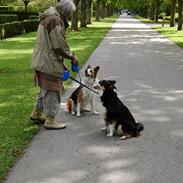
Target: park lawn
[17, 90]
[147, 20]
[172, 34]
[142, 19]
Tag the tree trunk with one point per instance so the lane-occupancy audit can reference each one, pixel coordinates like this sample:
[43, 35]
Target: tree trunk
[98, 10]
[106, 11]
[83, 13]
[74, 24]
[26, 2]
[89, 12]
[179, 15]
[156, 10]
[152, 12]
[26, 5]
[172, 14]
[102, 10]
[111, 11]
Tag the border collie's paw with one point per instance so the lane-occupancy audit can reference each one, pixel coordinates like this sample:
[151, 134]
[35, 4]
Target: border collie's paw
[95, 113]
[109, 135]
[104, 129]
[123, 137]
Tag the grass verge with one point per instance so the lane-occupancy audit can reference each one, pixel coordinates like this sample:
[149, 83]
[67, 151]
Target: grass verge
[169, 32]
[17, 91]
[172, 34]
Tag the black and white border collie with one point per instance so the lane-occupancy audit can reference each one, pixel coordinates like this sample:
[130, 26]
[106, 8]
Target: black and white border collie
[117, 114]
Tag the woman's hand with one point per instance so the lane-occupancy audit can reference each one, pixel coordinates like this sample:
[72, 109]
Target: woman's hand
[74, 60]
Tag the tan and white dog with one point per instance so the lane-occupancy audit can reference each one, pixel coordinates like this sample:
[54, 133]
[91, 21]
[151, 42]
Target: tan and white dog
[82, 96]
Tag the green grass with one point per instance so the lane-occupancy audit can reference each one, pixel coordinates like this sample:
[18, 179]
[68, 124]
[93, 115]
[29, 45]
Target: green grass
[146, 20]
[169, 32]
[142, 19]
[17, 90]
[172, 34]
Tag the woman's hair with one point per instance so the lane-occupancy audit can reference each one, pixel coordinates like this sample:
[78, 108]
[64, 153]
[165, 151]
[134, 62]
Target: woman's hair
[66, 8]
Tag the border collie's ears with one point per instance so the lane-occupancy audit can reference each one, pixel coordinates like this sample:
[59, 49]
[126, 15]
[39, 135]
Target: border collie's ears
[113, 82]
[89, 66]
[96, 69]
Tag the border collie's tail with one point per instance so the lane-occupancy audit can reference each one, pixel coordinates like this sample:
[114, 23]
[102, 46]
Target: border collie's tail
[140, 127]
[69, 105]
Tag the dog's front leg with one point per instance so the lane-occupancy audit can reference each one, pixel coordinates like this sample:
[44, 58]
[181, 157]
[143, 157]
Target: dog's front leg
[78, 109]
[92, 106]
[73, 108]
[111, 129]
[106, 127]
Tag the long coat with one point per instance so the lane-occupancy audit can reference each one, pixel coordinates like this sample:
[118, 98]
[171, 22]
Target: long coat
[51, 46]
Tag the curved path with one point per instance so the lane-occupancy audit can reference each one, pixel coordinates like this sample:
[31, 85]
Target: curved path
[149, 73]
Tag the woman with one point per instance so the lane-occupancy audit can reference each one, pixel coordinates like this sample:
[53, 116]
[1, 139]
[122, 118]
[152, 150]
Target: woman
[48, 61]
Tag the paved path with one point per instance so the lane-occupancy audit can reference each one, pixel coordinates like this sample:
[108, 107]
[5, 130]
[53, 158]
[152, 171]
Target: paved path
[149, 73]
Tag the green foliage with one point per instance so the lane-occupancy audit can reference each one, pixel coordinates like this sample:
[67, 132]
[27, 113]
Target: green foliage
[8, 18]
[7, 2]
[115, 3]
[38, 4]
[15, 28]
[18, 8]
[143, 7]
[136, 4]
[43, 4]
[22, 15]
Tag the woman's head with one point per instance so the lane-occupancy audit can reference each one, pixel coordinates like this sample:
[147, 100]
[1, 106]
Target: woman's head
[66, 8]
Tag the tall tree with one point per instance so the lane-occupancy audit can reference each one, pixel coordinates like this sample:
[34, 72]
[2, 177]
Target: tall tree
[103, 3]
[83, 13]
[89, 11]
[74, 24]
[172, 13]
[7, 2]
[179, 15]
[157, 4]
[97, 16]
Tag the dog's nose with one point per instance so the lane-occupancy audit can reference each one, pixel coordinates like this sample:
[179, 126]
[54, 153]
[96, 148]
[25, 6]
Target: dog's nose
[97, 87]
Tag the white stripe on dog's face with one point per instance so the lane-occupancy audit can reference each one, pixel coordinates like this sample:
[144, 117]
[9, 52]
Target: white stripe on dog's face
[90, 72]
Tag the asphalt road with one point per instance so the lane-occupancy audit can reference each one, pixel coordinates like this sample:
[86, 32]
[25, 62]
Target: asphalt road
[148, 69]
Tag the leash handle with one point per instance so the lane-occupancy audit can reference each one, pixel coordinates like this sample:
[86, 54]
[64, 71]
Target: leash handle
[83, 85]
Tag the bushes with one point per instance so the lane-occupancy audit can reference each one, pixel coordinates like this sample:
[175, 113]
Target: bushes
[22, 15]
[16, 28]
[8, 18]
[18, 8]
[33, 17]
